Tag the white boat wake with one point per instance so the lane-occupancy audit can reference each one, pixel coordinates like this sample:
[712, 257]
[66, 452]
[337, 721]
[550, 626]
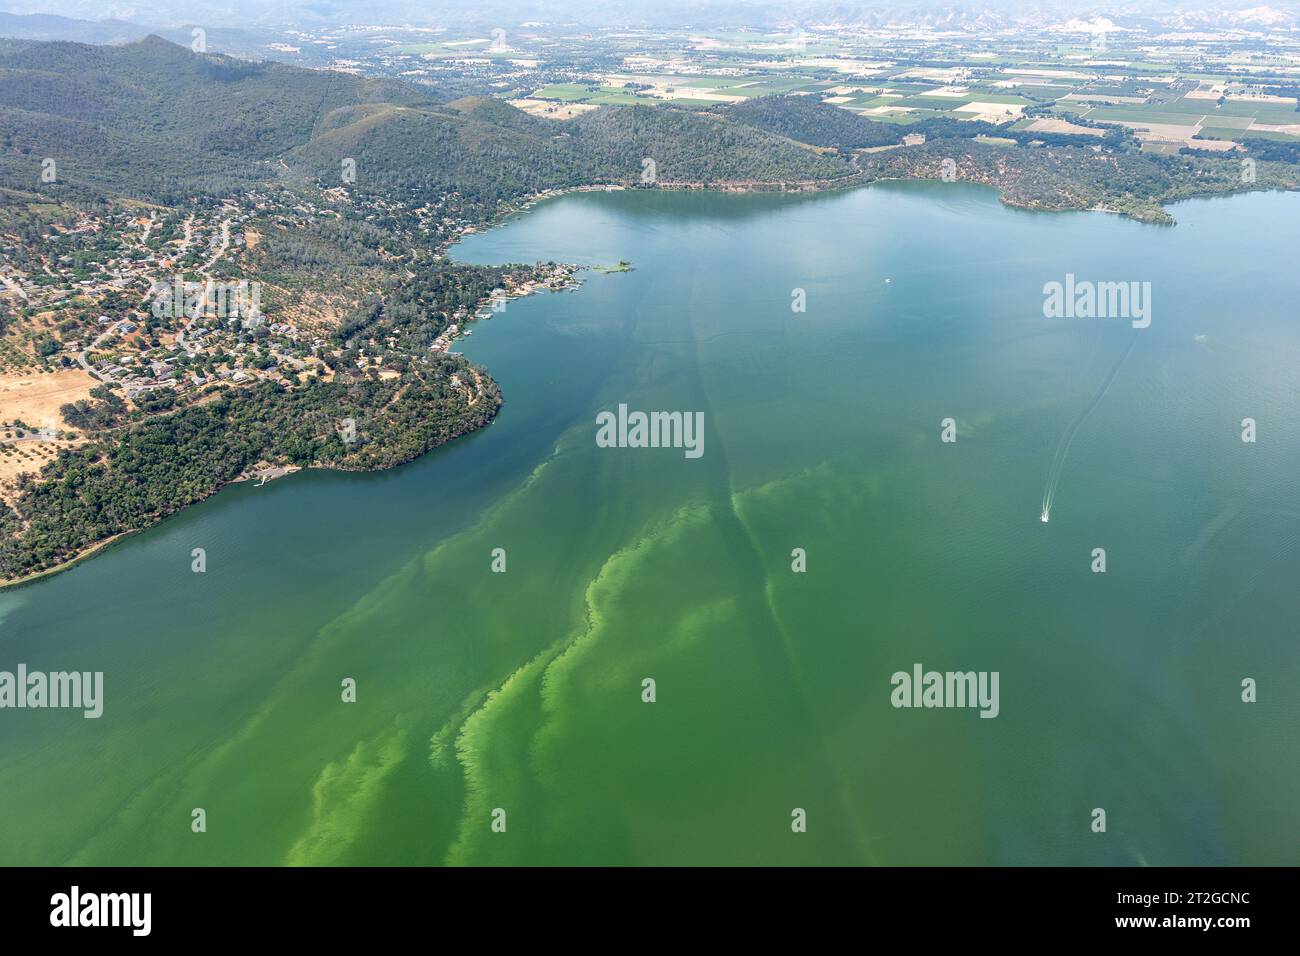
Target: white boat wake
[1067, 438]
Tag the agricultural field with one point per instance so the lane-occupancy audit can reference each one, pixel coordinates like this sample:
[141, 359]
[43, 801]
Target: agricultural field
[1168, 96]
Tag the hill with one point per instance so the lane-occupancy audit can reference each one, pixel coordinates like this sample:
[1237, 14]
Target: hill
[696, 147]
[154, 120]
[489, 151]
[811, 121]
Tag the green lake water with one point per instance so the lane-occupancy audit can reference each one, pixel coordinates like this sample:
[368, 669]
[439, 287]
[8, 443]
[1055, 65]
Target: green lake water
[522, 690]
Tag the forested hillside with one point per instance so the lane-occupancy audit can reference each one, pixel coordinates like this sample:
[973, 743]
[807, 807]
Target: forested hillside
[811, 121]
[172, 461]
[490, 151]
[696, 147]
[154, 120]
[1046, 177]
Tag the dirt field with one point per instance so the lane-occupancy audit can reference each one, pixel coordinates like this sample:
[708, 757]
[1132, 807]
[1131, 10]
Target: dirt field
[693, 93]
[991, 112]
[1163, 131]
[1291, 129]
[548, 109]
[1213, 145]
[1061, 126]
[25, 457]
[35, 398]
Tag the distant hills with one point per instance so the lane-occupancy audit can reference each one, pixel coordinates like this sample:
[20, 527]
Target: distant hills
[488, 150]
[41, 26]
[243, 20]
[155, 120]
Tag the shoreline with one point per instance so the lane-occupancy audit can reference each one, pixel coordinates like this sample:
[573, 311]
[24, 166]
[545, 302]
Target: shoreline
[270, 474]
[853, 181]
[508, 212]
[83, 555]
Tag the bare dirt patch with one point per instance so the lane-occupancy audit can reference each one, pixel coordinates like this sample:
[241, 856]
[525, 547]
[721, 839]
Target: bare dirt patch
[1162, 131]
[549, 109]
[1291, 129]
[25, 457]
[35, 398]
[1044, 125]
[990, 112]
[1213, 145]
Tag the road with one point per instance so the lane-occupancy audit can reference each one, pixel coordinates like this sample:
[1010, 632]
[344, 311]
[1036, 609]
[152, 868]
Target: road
[207, 289]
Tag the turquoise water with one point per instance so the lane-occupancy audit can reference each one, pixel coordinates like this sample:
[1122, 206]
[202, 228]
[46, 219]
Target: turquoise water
[522, 691]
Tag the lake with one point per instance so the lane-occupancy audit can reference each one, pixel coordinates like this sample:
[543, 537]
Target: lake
[516, 698]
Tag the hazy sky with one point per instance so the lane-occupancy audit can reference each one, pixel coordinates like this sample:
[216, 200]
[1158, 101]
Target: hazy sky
[319, 13]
